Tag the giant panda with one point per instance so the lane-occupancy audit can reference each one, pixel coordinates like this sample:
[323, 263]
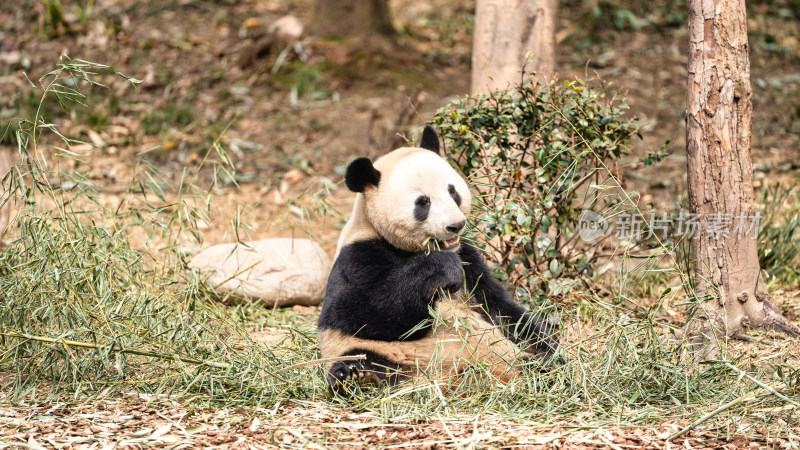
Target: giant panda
[406, 291]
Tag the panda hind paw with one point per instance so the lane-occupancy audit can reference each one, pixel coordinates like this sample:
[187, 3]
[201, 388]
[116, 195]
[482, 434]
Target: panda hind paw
[343, 371]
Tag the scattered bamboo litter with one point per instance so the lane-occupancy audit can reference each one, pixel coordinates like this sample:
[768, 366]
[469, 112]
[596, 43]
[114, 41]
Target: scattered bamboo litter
[132, 351]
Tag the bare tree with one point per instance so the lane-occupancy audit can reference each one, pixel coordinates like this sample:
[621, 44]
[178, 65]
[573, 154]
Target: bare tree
[720, 174]
[505, 32]
[351, 18]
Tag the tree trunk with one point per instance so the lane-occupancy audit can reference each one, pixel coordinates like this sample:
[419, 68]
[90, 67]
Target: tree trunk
[351, 19]
[505, 32]
[720, 173]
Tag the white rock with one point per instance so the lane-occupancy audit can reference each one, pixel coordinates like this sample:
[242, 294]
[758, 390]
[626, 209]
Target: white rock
[280, 271]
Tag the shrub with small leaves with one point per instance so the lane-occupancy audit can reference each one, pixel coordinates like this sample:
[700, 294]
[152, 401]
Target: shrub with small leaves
[537, 154]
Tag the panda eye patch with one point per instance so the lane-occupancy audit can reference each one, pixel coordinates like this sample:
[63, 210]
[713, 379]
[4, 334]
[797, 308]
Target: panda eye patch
[453, 193]
[422, 207]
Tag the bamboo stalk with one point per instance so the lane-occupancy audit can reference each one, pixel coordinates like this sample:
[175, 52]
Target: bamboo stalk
[132, 351]
[732, 403]
[185, 359]
[769, 388]
[713, 413]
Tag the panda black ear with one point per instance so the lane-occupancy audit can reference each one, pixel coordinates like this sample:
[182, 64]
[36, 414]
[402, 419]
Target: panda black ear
[430, 140]
[360, 174]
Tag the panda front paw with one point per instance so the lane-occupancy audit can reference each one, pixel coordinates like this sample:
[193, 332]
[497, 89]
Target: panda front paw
[449, 263]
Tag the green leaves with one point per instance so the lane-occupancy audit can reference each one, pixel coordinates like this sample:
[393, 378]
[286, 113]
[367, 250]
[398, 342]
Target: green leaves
[531, 149]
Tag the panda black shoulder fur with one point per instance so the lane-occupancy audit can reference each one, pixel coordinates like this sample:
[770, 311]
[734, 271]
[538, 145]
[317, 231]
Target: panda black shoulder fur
[399, 257]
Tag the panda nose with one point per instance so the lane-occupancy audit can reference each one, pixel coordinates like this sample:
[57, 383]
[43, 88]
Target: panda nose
[456, 227]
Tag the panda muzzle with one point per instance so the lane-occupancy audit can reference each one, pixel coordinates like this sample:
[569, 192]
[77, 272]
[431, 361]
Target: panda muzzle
[450, 243]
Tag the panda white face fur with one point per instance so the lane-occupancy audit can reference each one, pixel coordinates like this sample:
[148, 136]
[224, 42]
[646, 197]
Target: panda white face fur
[411, 197]
[420, 203]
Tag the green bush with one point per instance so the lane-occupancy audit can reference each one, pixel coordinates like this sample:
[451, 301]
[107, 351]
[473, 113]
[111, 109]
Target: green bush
[537, 154]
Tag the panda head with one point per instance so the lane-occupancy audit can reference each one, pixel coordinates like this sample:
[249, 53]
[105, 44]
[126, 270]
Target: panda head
[412, 197]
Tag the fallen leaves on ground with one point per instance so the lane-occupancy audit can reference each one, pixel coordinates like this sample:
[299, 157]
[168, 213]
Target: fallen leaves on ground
[136, 420]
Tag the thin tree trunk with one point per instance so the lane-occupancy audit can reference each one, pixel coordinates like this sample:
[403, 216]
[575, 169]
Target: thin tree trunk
[720, 172]
[351, 19]
[505, 32]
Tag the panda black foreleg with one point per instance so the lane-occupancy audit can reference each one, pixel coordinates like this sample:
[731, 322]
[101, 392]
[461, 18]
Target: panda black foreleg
[534, 335]
[403, 299]
[378, 292]
[374, 369]
[518, 324]
[421, 274]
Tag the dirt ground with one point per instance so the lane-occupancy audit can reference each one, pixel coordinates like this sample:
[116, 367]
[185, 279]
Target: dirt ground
[291, 116]
[136, 425]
